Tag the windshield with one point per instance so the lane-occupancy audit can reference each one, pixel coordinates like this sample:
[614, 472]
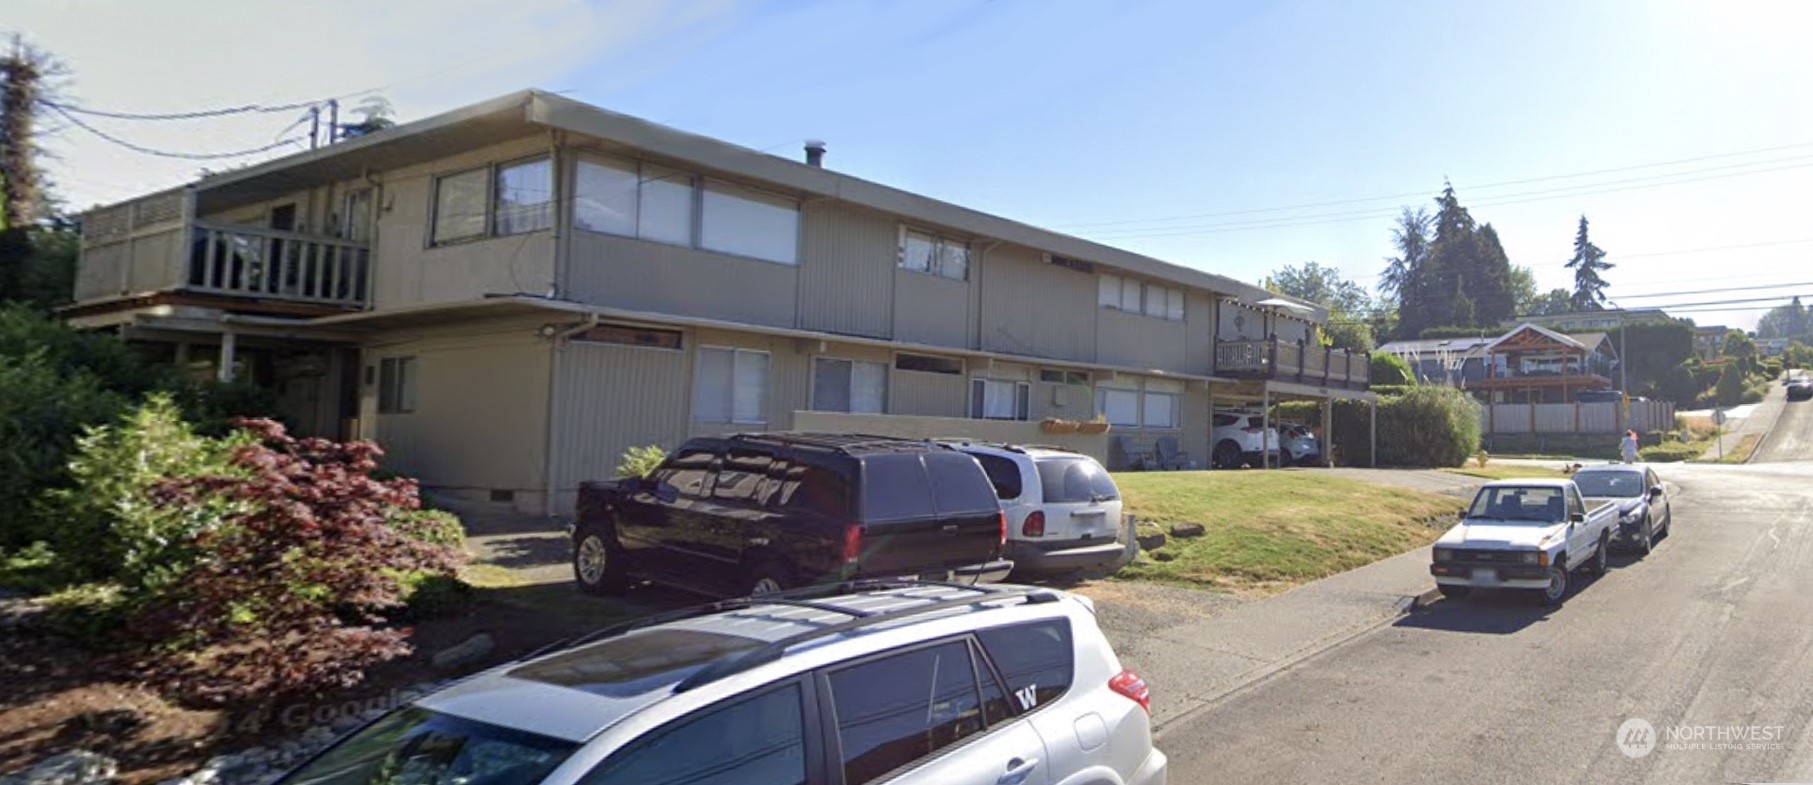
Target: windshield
[417, 747]
[1075, 480]
[1621, 485]
[1541, 506]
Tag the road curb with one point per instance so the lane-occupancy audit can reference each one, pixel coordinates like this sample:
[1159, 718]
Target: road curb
[1424, 600]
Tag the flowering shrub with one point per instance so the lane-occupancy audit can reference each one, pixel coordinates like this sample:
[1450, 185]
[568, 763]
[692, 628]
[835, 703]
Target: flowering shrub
[298, 588]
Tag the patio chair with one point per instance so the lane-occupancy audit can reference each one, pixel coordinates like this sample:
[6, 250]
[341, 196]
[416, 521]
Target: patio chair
[1131, 456]
[1168, 456]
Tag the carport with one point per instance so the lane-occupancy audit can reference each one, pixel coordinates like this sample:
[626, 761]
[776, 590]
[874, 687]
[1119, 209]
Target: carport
[1263, 393]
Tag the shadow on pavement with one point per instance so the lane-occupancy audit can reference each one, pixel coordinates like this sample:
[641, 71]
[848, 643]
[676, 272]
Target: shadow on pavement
[1494, 611]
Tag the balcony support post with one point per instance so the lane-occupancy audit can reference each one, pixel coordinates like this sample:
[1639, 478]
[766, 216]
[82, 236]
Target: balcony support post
[229, 349]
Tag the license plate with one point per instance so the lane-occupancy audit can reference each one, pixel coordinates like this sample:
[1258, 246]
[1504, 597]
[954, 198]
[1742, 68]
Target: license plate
[1485, 576]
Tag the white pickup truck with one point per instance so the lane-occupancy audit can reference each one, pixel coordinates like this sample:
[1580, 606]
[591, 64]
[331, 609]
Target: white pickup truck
[1524, 534]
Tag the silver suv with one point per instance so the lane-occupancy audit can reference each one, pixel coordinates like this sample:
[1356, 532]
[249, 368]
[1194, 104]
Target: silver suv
[1063, 510]
[898, 682]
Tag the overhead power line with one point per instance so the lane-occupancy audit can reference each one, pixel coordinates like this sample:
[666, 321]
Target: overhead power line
[1370, 214]
[63, 108]
[1500, 184]
[1710, 291]
[138, 148]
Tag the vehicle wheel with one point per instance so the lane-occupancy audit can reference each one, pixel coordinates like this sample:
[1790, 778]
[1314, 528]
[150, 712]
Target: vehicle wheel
[1601, 562]
[766, 579]
[1646, 537]
[1227, 455]
[1454, 592]
[1557, 587]
[598, 564]
[1668, 522]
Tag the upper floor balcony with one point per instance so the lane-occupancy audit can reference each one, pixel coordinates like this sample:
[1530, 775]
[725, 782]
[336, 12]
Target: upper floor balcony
[1293, 361]
[156, 245]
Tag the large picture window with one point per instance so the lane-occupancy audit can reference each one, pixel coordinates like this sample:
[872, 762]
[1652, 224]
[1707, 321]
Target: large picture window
[665, 205]
[1135, 296]
[512, 198]
[730, 386]
[525, 194]
[993, 399]
[850, 386]
[1119, 405]
[924, 252]
[459, 207]
[747, 222]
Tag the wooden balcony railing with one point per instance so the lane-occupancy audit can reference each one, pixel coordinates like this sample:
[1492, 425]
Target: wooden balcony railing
[258, 262]
[1293, 361]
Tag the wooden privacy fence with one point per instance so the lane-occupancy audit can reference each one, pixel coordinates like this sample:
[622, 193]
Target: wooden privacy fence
[1645, 416]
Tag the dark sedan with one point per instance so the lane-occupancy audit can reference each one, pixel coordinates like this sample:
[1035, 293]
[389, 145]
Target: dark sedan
[1800, 388]
[1644, 514]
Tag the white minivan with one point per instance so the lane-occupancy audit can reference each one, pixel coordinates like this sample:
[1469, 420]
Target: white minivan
[1063, 510]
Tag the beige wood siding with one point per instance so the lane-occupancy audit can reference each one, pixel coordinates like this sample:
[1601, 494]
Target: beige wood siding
[927, 394]
[611, 398]
[931, 309]
[157, 260]
[102, 272]
[1033, 308]
[1138, 341]
[480, 421]
[649, 276]
[1063, 401]
[1199, 335]
[846, 283]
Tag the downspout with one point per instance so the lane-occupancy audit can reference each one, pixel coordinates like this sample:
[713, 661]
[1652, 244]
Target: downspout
[551, 467]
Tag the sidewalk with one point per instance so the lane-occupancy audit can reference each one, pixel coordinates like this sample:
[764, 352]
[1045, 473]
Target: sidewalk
[1193, 665]
[1761, 421]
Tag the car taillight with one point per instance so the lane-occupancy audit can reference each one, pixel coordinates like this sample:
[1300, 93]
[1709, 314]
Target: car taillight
[1034, 525]
[1001, 525]
[852, 544]
[1130, 684]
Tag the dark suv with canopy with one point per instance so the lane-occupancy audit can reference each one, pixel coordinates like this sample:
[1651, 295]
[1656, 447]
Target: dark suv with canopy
[755, 513]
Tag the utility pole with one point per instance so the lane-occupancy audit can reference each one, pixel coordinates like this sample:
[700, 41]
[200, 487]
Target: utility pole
[22, 71]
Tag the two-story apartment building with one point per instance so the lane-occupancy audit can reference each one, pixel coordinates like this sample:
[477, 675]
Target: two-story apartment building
[508, 295]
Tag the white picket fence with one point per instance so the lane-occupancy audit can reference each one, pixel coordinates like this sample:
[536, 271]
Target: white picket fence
[1645, 416]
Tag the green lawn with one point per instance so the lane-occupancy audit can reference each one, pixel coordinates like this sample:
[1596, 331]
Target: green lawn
[1268, 531]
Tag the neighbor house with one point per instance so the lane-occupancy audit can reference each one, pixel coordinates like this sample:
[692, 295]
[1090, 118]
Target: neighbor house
[1528, 364]
[508, 295]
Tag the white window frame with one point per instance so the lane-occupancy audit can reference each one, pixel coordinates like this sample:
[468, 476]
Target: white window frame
[489, 230]
[939, 264]
[398, 383]
[1132, 295]
[731, 387]
[1164, 392]
[1118, 386]
[697, 187]
[850, 394]
[1021, 399]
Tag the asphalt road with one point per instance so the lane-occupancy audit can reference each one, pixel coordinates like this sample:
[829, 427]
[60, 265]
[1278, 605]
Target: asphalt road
[1792, 437]
[1711, 632]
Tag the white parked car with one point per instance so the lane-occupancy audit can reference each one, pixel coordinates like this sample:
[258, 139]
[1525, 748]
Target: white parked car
[899, 683]
[1241, 439]
[1524, 534]
[1063, 510]
[1299, 447]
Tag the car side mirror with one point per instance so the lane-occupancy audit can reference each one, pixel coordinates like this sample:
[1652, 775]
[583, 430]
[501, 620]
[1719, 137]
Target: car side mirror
[1576, 517]
[664, 492]
[1655, 494]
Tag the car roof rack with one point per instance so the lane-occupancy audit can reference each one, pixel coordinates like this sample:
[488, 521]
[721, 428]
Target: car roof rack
[1015, 448]
[799, 598]
[772, 650]
[843, 443]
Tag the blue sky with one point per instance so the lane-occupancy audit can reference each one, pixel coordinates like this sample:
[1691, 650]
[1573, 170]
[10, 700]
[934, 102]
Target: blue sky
[1172, 128]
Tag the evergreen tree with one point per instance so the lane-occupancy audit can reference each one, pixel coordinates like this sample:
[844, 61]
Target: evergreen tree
[1411, 236]
[1787, 321]
[1588, 262]
[1494, 296]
